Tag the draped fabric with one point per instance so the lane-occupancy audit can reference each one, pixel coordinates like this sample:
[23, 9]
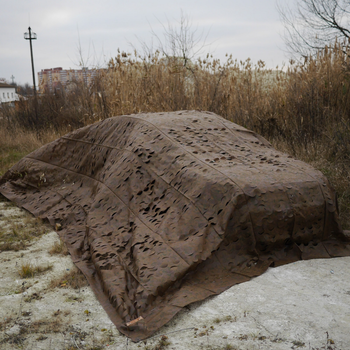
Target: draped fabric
[162, 210]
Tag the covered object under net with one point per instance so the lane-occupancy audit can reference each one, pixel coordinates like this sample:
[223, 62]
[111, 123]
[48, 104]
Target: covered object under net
[162, 210]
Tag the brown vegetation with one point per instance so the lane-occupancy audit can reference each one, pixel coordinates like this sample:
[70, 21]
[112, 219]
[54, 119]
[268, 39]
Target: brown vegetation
[303, 109]
[28, 270]
[58, 248]
[17, 233]
[73, 279]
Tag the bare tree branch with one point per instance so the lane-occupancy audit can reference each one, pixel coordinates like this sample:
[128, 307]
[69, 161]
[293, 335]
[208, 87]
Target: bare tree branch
[180, 42]
[314, 24]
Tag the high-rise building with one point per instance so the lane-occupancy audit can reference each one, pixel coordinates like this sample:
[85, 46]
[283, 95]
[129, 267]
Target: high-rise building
[53, 79]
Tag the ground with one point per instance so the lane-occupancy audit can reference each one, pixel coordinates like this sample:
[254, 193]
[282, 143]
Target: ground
[46, 304]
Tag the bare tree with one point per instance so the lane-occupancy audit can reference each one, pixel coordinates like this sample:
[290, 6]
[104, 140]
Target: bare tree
[314, 24]
[181, 42]
[24, 90]
[87, 59]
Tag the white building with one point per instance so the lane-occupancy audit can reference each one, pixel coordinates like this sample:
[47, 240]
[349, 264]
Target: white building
[8, 93]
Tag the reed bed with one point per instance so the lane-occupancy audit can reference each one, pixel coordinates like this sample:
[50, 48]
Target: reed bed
[302, 108]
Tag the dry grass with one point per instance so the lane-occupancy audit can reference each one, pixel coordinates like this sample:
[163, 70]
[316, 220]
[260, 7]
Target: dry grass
[42, 326]
[225, 319]
[17, 233]
[72, 279]
[224, 347]
[28, 270]
[16, 142]
[32, 297]
[14, 246]
[162, 344]
[54, 325]
[302, 109]
[45, 328]
[58, 248]
[4, 323]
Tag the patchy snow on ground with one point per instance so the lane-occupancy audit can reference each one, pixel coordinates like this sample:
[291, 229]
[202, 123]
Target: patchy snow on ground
[304, 305]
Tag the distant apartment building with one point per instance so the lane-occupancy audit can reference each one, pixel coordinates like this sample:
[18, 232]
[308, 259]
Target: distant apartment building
[53, 79]
[8, 93]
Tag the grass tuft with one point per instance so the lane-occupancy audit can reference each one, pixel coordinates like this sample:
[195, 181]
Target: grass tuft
[73, 279]
[58, 248]
[163, 343]
[28, 270]
[225, 319]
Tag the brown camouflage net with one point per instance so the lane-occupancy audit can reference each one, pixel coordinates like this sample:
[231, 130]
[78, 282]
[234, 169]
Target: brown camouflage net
[162, 210]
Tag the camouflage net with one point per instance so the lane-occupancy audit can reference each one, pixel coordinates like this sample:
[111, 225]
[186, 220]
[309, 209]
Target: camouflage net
[162, 210]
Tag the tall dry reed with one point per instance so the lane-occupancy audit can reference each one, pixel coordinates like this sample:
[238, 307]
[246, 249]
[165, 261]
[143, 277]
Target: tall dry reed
[303, 109]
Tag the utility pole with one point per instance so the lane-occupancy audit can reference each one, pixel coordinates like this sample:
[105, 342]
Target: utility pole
[31, 36]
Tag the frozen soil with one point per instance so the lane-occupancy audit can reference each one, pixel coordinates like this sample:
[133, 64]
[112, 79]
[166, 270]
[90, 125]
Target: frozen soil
[303, 305]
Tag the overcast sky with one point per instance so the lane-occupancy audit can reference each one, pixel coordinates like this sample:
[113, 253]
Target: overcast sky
[249, 28]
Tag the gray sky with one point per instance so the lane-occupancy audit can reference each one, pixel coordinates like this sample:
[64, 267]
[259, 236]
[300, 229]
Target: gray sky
[249, 28]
